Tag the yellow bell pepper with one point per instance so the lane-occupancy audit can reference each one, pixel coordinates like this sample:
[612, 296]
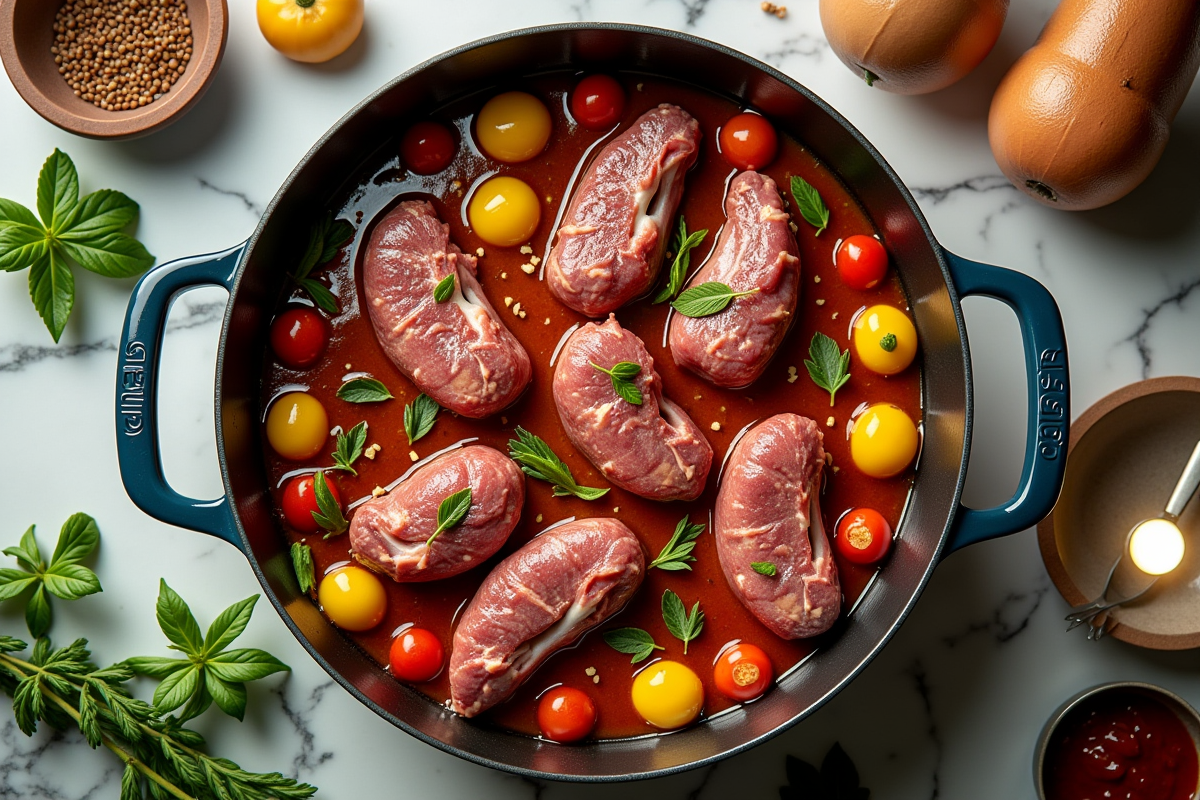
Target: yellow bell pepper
[310, 30]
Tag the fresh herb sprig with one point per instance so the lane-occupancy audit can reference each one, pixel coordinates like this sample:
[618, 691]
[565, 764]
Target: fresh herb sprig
[302, 564]
[809, 203]
[209, 672]
[330, 516]
[682, 245]
[677, 554]
[537, 460]
[828, 365]
[764, 568]
[444, 289]
[324, 240]
[64, 576]
[86, 232]
[363, 390]
[451, 512]
[349, 447]
[419, 416]
[707, 299]
[622, 375]
[683, 625]
[632, 641]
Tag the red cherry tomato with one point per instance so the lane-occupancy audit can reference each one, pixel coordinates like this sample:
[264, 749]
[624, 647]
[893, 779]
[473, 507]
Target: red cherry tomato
[748, 141]
[416, 656]
[300, 501]
[566, 714]
[863, 536]
[598, 102]
[743, 672]
[862, 261]
[427, 148]
[299, 336]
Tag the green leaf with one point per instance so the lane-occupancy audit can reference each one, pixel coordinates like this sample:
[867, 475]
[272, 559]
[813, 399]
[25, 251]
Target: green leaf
[677, 554]
[13, 213]
[11, 644]
[330, 515]
[302, 563]
[419, 416]
[176, 688]
[198, 702]
[363, 390]
[27, 704]
[177, 623]
[888, 342]
[229, 625]
[682, 625]
[230, 697]
[37, 613]
[337, 234]
[622, 375]
[810, 204]
[248, 664]
[13, 582]
[131, 785]
[444, 289]
[57, 191]
[21, 246]
[320, 295]
[313, 250]
[682, 246]
[538, 461]
[156, 666]
[71, 581]
[105, 211]
[88, 711]
[451, 511]
[764, 568]
[52, 288]
[113, 255]
[828, 365]
[349, 447]
[633, 641]
[707, 299]
[77, 540]
[27, 552]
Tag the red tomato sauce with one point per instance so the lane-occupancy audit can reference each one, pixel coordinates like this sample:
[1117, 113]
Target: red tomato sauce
[825, 305]
[1121, 745]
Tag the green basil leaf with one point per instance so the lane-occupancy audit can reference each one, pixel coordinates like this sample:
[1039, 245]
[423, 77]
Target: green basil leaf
[230, 696]
[764, 568]
[13, 213]
[156, 666]
[364, 390]
[248, 664]
[71, 581]
[113, 255]
[330, 516]
[337, 234]
[707, 299]
[302, 563]
[229, 625]
[37, 612]
[632, 641]
[419, 416]
[827, 364]
[809, 202]
[177, 623]
[27, 552]
[13, 582]
[57, 191]
[444, 289]
[105, 211]
[324, 298]
[682, 245]
[198, 702]
[451, 512]
[682, 625]
[77, 540]
[313, 249]
[21, 246]
[52, 288]
[622, 375]
[176, 688]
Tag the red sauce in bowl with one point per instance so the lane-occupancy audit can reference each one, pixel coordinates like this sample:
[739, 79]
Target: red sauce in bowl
[1122, 744]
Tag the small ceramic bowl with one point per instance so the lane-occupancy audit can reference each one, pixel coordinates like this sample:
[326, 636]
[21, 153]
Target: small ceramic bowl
[1182, 709]
[1125, 455]
[27, 33]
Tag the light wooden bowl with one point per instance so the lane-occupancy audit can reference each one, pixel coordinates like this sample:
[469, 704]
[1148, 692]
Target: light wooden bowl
[27, 33]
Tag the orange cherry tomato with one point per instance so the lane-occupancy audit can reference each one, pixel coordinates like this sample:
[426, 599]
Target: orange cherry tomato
[743, 672]
[298, 337]
[566, 715]
[300, 503]
[427, 148]
[863, 536]
[598, 102]
[862, 262]
[748, 141]
[416, 656]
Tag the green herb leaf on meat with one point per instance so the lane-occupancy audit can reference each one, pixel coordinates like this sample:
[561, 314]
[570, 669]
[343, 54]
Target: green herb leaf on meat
[622, 375]
[63, 576]
[682, 245]
[419, 416]
[363, 390]
[828, 365]
[707, 299]
[330, 515]
[302, 563]
[809, 202]
[451, 512]
[632, 641]
[764, 568]
[444, 289]
[677, 554]
[683, 626]
[537, 460]
[349, 447]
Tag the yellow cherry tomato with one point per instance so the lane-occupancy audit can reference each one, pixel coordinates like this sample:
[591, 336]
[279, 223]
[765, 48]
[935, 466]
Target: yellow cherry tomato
[668, 694]
[883, 441]
[504, 211]
[310, 30]
[513, 127]
[353, 598]
[297, 426]
[885, 340]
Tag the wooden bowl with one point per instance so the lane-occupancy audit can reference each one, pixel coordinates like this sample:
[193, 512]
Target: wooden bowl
[1126, 453]
[27, 33]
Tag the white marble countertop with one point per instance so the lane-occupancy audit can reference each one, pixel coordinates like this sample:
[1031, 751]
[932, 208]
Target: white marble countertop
[952, 706]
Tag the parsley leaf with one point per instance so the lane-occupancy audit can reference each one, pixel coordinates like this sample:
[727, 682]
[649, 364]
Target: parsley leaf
[682, 245]
[325, 239]
[683, 626]
[828, 366]
[302, 563]
[622, 375]
[64, 576]
[419, 416]
[349, 447]
[444, 289]
[537, 460]
[451, 511]
[810, 204]
[330, 515]
[363, 390]
[707, 299]
[632, 641]
[764, 568]
[677, 554]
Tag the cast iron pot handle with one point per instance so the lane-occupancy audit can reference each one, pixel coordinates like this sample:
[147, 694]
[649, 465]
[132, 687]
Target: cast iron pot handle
[137, 394]
[1049, 402]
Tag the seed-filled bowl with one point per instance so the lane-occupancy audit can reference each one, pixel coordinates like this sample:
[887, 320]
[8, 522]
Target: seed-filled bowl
[27, 36]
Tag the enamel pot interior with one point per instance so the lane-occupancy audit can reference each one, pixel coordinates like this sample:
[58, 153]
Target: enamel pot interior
[338, 158]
